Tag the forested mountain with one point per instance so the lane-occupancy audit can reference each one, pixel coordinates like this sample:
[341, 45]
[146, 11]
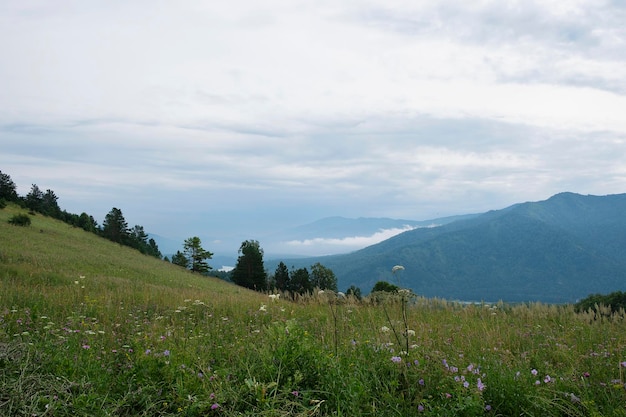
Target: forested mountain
[557, 250]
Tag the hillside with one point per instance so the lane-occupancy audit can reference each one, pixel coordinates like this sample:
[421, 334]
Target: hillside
[557, 250]
[47, 257]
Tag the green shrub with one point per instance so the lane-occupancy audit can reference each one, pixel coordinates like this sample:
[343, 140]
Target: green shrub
[20, 220]
[3, 203]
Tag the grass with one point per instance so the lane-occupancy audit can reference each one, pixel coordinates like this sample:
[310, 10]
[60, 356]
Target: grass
[88, 327]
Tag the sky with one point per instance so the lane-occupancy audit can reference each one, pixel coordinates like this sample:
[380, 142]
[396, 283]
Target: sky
[232, 120]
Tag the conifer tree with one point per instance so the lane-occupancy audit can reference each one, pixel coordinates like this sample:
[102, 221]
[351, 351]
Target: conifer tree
[249, 271]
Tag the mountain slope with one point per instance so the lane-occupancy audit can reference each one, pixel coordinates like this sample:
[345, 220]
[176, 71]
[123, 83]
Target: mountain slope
[556, 250]
[47, 258]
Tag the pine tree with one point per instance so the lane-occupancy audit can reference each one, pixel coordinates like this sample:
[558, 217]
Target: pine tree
[115, 227]
[249, 271]
[196, 255]
[281, 277]
[8, 190]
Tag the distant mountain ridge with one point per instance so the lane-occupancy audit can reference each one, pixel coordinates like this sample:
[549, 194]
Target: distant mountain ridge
[341, 227]
[557, 250]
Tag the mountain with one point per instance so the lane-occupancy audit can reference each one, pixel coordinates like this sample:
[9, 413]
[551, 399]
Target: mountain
[334, 235]
[557, 250]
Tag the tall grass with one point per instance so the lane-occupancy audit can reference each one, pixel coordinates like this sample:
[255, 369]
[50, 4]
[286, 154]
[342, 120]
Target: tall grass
[88, 327]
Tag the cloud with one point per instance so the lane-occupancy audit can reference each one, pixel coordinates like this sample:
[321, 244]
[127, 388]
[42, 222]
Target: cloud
[247, 115]
[321, 246]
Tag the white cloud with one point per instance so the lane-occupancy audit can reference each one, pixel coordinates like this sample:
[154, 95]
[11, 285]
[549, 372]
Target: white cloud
[321, 246]
[312, 108]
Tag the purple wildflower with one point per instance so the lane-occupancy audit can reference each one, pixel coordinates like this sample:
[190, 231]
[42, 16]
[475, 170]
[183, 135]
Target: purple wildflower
[86, 346]
[487, 407]
[622, 364]
[215, 406]
[166, 352]
[480, 385]
[295, 393]
[547, 379]
[420, 408]
[396, 359]
[421, 382]
[534, 372]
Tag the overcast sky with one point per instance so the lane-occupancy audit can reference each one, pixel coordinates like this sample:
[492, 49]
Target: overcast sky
[227, 119]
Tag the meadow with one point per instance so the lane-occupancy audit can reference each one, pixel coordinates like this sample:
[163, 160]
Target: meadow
[91, 328]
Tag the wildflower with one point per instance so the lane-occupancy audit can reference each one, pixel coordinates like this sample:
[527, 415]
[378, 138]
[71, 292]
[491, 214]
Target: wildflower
[547, 379]
[534, 372]
[295, 393]
[487, 407]
[622, 364]
[215, 406]
[420, 408]
[586, 374]
[466, 384]
[480, 385]
[148, 351]
[416, 362]
[448, 395]
[396, 359]
[410, 332]
[537, 382]
[385, 329]
[421, 382]
[263, 307]
[166, 352]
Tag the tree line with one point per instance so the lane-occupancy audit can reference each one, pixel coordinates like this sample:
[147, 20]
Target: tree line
[249, 271]
[114, 226]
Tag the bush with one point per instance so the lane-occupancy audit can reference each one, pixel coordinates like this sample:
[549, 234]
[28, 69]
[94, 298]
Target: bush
[20, 220]
[3, 203]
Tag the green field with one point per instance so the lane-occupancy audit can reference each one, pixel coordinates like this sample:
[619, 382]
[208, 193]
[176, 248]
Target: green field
[91, 328]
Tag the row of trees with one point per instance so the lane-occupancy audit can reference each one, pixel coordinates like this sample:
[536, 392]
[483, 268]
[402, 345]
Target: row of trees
[114, 227]
[301, 280]
[249, 271]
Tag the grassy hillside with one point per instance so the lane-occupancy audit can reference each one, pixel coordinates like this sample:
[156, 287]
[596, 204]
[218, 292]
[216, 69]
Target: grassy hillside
[45, 259]
[90, 328]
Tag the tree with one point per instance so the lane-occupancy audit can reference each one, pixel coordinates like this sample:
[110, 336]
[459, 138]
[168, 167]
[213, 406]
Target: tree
[180, 259]
[249, 271]
[153, 249]
[300, 281]
[50, 205]
[384, 286]
[8, 190]
[34, 199]
[87, 222]
[323, 278]
[115, 227]
[196, 255]
[281, 277]
[354, 291]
